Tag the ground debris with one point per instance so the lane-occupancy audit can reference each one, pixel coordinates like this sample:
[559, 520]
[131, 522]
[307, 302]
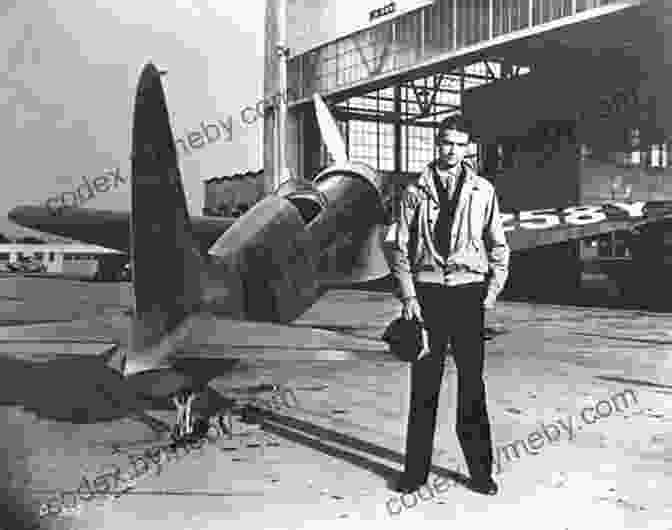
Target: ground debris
[621, 501]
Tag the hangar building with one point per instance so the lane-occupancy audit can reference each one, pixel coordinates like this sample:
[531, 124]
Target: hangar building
[567, 99]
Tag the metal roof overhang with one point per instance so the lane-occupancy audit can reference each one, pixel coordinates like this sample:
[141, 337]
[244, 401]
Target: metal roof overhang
[610, 30]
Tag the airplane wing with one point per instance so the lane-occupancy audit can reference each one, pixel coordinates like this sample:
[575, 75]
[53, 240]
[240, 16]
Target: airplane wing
[536, 228]
[107, 228]
[531, 229]
[525, 229]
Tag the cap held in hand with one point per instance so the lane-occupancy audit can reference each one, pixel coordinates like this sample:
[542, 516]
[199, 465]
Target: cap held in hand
[408, 339]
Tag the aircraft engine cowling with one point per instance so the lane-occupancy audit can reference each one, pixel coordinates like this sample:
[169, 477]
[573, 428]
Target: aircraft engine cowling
[354, 252]
[273, 259]
[277, 248]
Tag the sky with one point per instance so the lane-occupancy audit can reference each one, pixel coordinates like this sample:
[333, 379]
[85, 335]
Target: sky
[68, 73]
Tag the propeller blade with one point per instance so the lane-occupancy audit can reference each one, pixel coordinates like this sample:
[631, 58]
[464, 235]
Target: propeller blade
[330, 134]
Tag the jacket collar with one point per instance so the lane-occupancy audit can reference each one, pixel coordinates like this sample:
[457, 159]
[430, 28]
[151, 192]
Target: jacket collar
[426, 181]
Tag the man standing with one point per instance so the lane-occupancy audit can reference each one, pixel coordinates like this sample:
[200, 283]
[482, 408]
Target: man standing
[451, 259]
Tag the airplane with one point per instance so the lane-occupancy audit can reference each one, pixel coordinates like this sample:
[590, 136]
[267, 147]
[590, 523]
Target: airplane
[266, 266]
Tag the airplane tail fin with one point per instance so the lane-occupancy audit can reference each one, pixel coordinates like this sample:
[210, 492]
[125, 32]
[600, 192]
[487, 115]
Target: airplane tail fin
[165, 258]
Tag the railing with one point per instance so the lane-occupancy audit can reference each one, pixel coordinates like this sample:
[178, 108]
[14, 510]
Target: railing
[419, 35]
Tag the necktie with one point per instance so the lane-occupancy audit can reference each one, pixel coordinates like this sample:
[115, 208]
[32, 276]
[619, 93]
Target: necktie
[448, 204]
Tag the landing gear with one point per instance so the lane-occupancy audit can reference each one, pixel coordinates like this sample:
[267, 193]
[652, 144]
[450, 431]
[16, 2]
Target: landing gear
[191, 429]
[184, 424]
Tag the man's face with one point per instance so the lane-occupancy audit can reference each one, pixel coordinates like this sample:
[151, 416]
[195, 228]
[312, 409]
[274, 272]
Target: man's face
[452, 147]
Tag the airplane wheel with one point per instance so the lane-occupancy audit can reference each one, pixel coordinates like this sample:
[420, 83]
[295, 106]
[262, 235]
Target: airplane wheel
[175, 436]
[199, 430]
[224, 423]
[201, 427]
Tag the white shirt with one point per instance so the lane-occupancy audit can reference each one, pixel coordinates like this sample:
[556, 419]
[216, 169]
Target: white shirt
[448, 179]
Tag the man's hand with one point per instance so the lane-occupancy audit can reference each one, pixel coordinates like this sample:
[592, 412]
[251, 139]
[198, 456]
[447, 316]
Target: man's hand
[489, 301]
[411, 309]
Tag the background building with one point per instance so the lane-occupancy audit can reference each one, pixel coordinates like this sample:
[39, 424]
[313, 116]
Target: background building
[230, 196]
[72, 260]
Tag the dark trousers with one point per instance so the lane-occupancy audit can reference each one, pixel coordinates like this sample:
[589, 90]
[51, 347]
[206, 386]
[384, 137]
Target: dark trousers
[455, 314]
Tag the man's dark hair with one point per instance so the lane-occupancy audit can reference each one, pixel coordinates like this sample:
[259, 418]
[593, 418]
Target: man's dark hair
[455, 122]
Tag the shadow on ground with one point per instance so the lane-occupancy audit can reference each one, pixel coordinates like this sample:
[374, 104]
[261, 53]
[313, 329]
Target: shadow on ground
[83, 389]
[344, 447]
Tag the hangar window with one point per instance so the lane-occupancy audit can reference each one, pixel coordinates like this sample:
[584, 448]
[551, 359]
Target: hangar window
[659, 155]
[509, 16]
[417, 147]
[419, 35]
[497, 158]
[372, 143]
[582, 5]
[547, 10]
[393, 129]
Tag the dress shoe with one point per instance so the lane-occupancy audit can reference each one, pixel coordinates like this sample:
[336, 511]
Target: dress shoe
[484, 486]
[407, 484]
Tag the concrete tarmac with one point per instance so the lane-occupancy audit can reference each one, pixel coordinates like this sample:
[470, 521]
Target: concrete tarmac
[326, 461]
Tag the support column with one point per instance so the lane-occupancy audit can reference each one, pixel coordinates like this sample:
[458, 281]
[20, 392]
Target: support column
[282, 54]
[270, 88]
[294, 141]
[397, 129]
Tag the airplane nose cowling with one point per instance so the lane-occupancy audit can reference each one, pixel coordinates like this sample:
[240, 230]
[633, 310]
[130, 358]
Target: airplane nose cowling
[270, 252]
[356, 253]
[283, 248]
